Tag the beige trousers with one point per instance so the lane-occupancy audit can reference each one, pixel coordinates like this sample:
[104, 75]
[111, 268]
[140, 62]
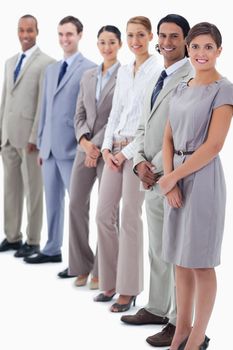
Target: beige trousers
[22, 177]
[120, 250]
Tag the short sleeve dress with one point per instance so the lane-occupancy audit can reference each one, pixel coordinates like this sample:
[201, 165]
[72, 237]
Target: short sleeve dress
[192, 235]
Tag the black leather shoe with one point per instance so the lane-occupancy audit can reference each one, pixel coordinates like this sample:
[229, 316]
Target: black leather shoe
[5, 245]
[163, 338]
[42, 258]
[65, 274]
[27, 250]
[144, 317]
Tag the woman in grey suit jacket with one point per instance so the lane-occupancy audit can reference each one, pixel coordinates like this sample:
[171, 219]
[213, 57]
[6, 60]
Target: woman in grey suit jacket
[93, 109]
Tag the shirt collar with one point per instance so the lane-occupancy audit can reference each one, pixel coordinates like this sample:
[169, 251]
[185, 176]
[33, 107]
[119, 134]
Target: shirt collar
[170, 70]
[30, 51]
[145, 66]
[110, 70]
[69, 60]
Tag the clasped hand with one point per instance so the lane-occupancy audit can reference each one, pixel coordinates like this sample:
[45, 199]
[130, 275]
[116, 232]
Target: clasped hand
[114, 161]
[170, 188]
[92, 154]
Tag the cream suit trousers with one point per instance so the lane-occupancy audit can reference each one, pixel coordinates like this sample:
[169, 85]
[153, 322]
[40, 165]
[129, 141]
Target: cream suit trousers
[22, 177]
[162, 291]
[120, 251]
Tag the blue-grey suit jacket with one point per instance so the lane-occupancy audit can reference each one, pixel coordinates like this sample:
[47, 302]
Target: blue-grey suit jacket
[56, 132]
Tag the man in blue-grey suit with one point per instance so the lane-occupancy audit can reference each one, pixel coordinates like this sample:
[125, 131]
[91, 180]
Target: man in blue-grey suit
[56, 137]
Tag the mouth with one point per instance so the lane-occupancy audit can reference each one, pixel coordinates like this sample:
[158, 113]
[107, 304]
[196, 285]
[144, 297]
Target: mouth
[168, 49]
[201, 61]
[136, 47]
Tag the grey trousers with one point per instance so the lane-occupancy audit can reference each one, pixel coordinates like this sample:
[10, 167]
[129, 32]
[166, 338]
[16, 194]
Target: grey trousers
[81, 258]
[22, 178]
[120, 250]
[162, 299]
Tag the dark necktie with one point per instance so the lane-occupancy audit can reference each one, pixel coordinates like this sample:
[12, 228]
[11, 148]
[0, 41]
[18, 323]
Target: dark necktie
[158, 87]
[18, 67]
[62, 72]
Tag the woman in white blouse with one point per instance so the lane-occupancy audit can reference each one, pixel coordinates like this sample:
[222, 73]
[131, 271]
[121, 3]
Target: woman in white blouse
[121, 250]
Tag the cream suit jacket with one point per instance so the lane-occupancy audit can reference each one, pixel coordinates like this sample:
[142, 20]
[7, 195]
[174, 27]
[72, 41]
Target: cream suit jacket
[20, 104]
[149, 137]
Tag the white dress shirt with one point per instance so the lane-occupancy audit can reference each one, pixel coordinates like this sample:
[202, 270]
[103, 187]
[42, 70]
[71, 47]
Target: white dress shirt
[102, 80]
[27, 53]
[128, 102]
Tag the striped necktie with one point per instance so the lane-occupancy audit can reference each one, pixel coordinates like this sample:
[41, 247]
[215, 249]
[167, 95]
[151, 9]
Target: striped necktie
[158, 87]
[18, 67]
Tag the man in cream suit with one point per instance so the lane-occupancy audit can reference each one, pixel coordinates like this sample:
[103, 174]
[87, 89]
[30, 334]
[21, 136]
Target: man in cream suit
[56, 137]
[161, 308]
[20, 107]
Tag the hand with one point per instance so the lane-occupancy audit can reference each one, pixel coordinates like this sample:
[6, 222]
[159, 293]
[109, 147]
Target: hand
[146, 174]
[31, 147]
[39, 161]
[90, 162]
[110, 160]
[174, 197]
[167, 183]
[90, 148]
[119, 158]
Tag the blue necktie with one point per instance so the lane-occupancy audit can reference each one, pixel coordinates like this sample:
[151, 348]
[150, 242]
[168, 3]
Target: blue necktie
[62, 72]
[18, 67]
[158, 87]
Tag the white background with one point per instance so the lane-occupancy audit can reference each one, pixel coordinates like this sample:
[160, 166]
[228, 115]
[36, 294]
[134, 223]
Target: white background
[39, 311]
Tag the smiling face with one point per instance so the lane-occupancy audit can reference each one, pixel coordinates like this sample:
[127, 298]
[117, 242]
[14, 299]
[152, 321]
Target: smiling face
[138, 39]
[171, 43]
[69, 38]
[108, 45]
[203, 52]
[27, 33]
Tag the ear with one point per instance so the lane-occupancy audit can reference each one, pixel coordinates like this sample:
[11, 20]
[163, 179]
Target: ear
[151, 36]
[219, 51]
[187, 47]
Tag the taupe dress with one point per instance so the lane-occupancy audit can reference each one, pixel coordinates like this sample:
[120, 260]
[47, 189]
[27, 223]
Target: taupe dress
[192, 235]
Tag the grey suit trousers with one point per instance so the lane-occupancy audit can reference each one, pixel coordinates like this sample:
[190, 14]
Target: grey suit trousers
[162, 300]
[81, 258]
[22, 176]
[120, 251]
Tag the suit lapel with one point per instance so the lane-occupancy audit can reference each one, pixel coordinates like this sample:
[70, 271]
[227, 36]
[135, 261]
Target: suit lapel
[108, 87]
[69, 72]
[26, 66]
[180, 74]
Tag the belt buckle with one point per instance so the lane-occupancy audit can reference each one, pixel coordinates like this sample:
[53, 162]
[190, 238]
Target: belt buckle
[180, 153]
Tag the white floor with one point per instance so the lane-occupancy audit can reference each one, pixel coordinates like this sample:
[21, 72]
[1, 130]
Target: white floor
[40, 311]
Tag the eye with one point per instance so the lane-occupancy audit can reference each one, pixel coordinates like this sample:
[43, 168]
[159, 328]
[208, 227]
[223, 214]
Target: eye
[194, 46]
[209, 47]
[162, 36]
[174, 36]
[141, 35]
[129, 35]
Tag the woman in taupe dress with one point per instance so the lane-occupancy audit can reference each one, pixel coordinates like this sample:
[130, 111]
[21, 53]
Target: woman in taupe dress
[200, 116]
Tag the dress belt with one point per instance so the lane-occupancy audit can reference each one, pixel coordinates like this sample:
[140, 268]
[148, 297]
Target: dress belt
[183, 153]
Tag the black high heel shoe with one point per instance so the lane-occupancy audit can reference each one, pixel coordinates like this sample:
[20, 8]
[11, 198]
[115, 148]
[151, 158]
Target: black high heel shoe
[205, 343]
[123, 307]
[182, 345]
[103, 298]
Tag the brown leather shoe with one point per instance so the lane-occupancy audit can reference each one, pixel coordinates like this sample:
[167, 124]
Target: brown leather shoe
[163, 338]
[144, 317]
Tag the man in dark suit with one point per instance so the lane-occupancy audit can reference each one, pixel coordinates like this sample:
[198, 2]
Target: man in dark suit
[19, 114]
[56, 136]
